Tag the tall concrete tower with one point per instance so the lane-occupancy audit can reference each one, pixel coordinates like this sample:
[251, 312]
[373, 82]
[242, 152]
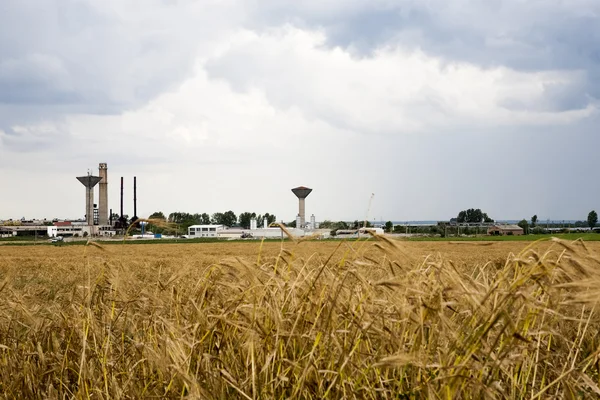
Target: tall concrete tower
[302, 193]
[89, 182]
[103, 201]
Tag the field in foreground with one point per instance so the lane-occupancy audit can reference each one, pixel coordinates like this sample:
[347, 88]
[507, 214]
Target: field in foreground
[309, 320]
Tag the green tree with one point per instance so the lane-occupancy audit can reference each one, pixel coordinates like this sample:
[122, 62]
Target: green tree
[229, 218]
[245, 218]
[327, 224]
[158, 215]
[335, 226]
[473, 216]
[534, 221]
[184, 220]
[525, 225]
[389, 226]
[442, 227]
[592, 219]
[217, 219]
[157, 227]
[487, 219]
[205, 219]
[359, 224]
[342, 225]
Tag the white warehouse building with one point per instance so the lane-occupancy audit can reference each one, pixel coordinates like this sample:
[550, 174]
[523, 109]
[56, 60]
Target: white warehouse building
[220, 231]
[196, 231]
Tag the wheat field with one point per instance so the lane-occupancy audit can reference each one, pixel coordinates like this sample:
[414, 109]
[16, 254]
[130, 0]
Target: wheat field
[373, 319]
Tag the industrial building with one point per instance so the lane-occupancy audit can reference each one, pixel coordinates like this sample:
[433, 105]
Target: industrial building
[196, 231]
[75, 229]
[503, 230]
[98, 220]
[358, 233]
[223, 232]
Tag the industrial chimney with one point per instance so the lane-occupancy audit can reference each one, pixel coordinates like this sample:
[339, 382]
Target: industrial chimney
[103, 201]
[134, 199]
[302, 193]
[121, 217]
[122, 222]
[89, 182]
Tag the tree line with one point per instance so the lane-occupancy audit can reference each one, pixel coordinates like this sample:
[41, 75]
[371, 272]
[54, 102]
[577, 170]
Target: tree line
[473, 216]
[534, 227]
[477, 216]
[181, 221]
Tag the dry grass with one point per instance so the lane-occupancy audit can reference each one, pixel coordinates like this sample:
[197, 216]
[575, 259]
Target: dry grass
[309, 320]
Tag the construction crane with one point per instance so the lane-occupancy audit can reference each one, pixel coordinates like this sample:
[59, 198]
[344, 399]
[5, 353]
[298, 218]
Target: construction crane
[368, 210]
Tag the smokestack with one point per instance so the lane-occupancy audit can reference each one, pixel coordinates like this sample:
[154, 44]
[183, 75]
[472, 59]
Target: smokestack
[301, 192]
[89, 182]
[121, 197]
[134, 198]
[103, 201]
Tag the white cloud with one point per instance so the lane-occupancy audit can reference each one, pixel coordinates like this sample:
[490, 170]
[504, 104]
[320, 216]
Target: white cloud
[395, 90]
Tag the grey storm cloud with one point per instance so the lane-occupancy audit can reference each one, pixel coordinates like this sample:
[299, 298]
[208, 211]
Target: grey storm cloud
[76, 52]
[89, 57]
[529, 36]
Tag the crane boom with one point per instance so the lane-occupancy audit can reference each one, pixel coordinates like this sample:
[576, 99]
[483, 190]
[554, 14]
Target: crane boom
[368, 210]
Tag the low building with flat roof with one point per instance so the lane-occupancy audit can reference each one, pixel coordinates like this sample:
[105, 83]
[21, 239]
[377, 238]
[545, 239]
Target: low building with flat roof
[504, 230]
[199, 231]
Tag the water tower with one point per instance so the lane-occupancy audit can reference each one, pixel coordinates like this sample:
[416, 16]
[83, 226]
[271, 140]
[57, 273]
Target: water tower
[302, 193]
[89, 182]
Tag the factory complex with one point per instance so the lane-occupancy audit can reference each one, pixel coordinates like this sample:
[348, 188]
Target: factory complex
[99, 222]
[266, 232]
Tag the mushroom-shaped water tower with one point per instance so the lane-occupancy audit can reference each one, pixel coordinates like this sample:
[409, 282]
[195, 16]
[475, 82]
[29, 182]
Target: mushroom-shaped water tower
[302, 193]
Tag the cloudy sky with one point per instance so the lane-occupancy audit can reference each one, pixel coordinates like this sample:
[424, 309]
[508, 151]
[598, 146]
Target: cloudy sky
[433, 105]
